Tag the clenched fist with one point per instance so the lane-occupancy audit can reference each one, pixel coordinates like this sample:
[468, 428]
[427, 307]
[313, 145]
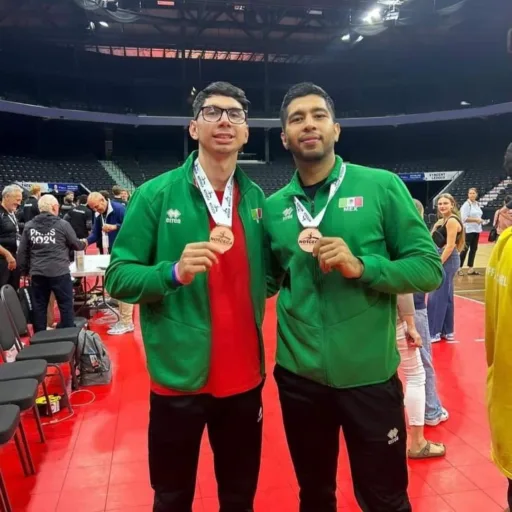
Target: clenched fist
[196, 258]
[333, 253]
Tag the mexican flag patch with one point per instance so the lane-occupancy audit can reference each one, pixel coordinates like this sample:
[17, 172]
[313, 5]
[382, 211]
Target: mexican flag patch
[351, 202]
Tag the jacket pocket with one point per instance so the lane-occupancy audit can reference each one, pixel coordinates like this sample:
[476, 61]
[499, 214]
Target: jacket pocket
[178, 355]
[362, 350]
[298, 348]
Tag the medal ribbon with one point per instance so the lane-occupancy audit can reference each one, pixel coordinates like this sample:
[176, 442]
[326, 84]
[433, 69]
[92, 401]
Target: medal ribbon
[305, 217]
[221, 214]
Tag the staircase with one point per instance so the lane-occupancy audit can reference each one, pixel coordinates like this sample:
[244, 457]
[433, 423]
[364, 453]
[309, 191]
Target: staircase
[116, 173]
[495, 192]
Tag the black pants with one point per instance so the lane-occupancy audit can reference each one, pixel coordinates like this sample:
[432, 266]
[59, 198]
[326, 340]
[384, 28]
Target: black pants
[175, 430]
[62, 288]
[7, 276]
[471, 247]
[373, 422]
[510, 495]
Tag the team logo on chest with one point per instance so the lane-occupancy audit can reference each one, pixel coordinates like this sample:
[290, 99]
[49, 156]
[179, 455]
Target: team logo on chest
[287, 213]
[173, 216]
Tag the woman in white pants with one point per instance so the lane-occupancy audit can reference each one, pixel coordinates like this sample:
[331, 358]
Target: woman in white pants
[409, 341]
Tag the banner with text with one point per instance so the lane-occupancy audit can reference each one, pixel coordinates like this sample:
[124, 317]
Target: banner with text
[428, 176]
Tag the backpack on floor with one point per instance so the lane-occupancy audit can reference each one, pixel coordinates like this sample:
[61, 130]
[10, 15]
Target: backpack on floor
[93, 362]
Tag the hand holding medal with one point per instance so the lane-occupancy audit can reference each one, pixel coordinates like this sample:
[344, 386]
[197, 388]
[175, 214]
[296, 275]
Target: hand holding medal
[196, 258]
[333, 253]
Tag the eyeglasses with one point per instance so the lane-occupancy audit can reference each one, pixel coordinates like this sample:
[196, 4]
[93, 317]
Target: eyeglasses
[213, 114]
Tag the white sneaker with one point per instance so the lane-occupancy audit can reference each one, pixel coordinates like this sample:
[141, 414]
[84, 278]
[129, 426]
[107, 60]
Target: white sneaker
[120, 328]
[444, 416]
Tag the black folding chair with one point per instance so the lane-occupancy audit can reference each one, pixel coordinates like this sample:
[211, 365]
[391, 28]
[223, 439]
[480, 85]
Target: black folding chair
[23, 393]
[11, 300]
[54, 354]
[10, 421]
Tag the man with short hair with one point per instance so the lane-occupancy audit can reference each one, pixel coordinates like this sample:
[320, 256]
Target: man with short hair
[30, 209]
[107, 223]
[44, 255]
[80, 217]
[191, 254]
[12, 196]
[344, 240]
[117, 192]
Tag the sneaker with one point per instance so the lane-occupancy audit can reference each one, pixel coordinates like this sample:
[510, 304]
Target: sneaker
[120, 328]
[444, 416]
[436, 339]
[449, 337]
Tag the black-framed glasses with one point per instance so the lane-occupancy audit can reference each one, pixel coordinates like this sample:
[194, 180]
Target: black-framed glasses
[213, 114]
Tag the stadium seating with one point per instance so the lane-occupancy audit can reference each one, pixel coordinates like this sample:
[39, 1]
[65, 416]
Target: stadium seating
[147, 166]
[89, 172]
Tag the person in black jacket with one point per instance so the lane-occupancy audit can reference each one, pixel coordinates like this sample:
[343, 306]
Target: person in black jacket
[30, 208]
[80, 218]
[44, 254]
[68, 204]
[9, 235]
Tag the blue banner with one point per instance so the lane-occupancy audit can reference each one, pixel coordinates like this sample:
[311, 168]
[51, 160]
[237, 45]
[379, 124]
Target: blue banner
[412, 176]
[62, 188]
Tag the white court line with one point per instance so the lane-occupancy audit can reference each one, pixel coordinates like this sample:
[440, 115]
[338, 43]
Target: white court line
[480, 340]
[470, 291]
[481, 302]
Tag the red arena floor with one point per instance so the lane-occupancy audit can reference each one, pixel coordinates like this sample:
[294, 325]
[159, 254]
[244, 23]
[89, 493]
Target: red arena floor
[97, 460]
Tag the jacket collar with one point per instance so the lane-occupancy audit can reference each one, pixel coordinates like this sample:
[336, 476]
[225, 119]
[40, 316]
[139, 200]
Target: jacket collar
[294, 188]
[243, 182]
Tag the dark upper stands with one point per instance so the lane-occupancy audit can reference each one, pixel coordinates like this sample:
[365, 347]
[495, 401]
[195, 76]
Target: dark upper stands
[147, 166]
[89, 172]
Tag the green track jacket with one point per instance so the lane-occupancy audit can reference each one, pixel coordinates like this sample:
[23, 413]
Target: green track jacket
[164, 215]
[336, 331]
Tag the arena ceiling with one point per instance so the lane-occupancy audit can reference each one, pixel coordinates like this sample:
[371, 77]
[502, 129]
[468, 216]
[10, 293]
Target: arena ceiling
[283, 30]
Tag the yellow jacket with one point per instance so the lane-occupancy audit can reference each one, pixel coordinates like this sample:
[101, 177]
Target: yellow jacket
[498, 342]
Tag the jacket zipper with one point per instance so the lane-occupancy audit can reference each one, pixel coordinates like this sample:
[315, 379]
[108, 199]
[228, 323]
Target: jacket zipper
[317, 273]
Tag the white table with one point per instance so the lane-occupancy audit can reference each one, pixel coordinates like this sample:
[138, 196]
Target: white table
[95, 265]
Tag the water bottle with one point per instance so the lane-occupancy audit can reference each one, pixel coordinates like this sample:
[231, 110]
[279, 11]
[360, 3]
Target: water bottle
[80, 260]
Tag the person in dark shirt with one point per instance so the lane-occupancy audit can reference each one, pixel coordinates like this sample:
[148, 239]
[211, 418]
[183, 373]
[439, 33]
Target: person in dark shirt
[117, 192]
[80, 218]
[9, 235]
[30, 208]
[68, 204]
[44, 254]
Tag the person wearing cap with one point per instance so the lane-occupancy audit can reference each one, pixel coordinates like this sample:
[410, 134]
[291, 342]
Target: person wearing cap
[190, 252]
[343, 241]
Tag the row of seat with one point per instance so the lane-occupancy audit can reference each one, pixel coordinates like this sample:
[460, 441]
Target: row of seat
[20, 380]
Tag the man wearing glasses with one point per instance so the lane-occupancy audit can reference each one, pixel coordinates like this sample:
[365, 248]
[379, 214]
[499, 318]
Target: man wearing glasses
[183, 255]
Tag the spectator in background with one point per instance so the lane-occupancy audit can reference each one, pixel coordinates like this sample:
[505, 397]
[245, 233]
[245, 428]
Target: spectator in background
[448, 235]
[498, 344]
[30, 208]
[9, 235]
[117, 192]
[471, 216]
[435, 413]
[44, 255]
[109, 217]
[503, 216]
[68, 203]
[125, 196]
[80, 218]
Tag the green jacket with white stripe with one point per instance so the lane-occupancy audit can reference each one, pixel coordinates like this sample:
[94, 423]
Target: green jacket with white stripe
[336, 331]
